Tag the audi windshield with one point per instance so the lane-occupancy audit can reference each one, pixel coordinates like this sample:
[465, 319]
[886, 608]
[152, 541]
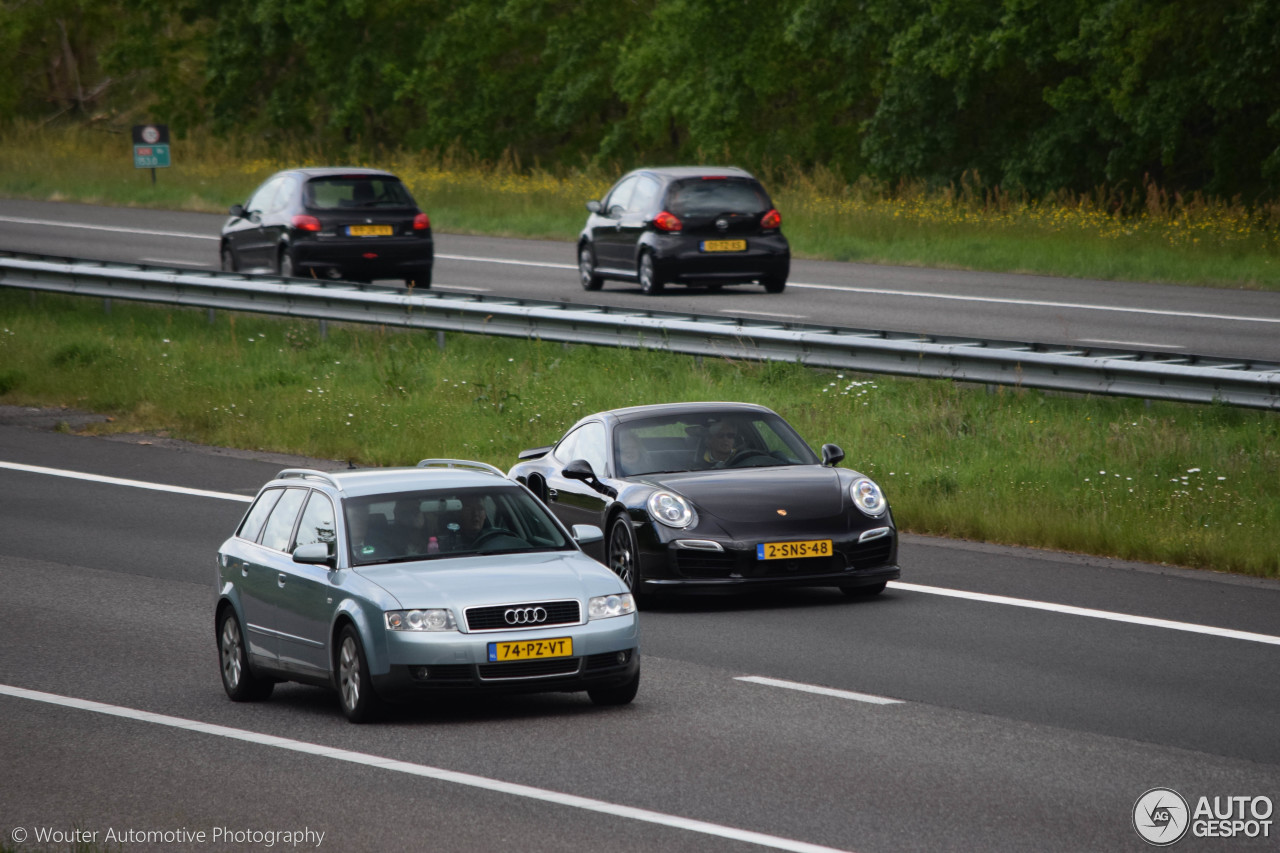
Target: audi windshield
[407, 526]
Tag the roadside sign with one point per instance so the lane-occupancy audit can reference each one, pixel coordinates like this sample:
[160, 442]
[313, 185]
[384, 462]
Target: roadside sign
[150, 146]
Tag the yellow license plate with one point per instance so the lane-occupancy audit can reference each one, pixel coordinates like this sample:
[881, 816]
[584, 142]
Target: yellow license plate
[793, 550]
[556, 647]
[369, 230]
[724, 245]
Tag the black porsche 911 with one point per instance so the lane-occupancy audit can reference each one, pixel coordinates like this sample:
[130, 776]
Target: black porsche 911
[715, 497]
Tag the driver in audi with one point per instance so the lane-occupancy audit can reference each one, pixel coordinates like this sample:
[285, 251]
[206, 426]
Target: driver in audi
[474, 521]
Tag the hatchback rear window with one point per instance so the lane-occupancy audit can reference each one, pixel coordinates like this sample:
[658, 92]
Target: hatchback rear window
[346, 192]
[702, 197]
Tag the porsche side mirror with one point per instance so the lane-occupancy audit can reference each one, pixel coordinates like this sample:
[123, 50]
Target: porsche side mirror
[237, 210]
[831, 455]
[593, 206]
[580, 469]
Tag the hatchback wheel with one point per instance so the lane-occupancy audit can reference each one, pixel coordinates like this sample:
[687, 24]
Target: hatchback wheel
[587, 269]
[623, 558]
[774, 284]
[237, 679]
[420, 280]
[355, 688]
[650, 283]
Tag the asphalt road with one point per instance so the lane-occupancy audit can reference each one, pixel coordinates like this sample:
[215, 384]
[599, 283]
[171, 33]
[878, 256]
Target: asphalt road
[1075, 312]
[1039, 695]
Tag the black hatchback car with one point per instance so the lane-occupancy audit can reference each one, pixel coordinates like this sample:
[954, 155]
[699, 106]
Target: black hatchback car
[684, 225]
[332, 223]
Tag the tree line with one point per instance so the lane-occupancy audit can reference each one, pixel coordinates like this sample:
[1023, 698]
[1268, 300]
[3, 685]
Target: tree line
[1037, 95]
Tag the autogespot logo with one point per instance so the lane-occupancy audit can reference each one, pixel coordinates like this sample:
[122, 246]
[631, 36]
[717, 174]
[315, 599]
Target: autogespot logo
[1160, 816]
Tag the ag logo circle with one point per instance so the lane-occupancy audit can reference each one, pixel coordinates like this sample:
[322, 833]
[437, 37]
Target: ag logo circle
[150, 134]
[1161, 817]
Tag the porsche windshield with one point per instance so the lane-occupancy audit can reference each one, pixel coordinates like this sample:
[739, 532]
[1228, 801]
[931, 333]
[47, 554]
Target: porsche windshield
[437, 524]
[692, 442]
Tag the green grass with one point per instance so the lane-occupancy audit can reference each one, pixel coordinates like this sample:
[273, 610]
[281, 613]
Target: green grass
[1188, 485]
[1139, 235]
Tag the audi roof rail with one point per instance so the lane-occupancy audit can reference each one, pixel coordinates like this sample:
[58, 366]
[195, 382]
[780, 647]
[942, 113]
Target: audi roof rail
[461, 463]
[308, 474]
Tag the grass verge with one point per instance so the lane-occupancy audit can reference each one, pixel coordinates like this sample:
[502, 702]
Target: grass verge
[1188, 485]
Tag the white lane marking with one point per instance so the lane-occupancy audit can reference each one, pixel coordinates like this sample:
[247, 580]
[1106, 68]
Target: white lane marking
[1036, 303]
[112, 228]
[467, 289]
[170, 262]
[990, 300]
[118, 481]
[508, 261]
[1067, 609]
[1169, 624]
[436, 773]
[823, 691]
[1133, 344]
[764, 313]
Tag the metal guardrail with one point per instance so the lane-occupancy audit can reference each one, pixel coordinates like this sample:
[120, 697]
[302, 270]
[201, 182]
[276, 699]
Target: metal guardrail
[1149, 375]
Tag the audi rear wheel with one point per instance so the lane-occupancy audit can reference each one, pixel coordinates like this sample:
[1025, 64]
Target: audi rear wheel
[237, 678]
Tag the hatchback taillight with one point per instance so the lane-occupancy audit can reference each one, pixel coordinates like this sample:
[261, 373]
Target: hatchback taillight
[421, 222]
[306, 223]
[667, 222]
[772, 219]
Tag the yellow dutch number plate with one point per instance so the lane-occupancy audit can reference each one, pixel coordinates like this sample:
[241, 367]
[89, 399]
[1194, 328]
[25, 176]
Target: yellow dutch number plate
[556, 647]
[724, 245]
[369, 230]
[793, 550]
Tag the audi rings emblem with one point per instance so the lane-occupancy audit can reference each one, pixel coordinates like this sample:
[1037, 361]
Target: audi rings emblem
[525, 615]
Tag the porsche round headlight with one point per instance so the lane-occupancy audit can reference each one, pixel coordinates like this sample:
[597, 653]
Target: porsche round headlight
[670, 509]
[868, 497]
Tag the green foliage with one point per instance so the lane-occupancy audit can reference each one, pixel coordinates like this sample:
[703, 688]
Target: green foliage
[1040, 95]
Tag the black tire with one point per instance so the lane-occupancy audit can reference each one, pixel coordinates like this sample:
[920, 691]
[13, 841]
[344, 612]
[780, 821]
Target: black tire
[622, 556]
[359, 701]
[587, 269]
[651, 284]
[228, 258]
[774, 284]
[420, 280]
[238, 679]
[863, 591]
[619, 695]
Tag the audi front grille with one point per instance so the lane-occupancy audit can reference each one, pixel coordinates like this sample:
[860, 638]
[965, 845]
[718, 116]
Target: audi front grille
[510, 617]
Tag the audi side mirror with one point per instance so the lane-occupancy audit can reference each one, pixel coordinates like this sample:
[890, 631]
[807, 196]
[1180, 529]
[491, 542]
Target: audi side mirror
[585, 534]
[593, 206]
[315, 554]
[237, 210]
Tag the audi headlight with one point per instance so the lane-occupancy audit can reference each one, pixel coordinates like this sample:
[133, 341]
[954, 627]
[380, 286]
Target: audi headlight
[670, 509]
[605, 606]
[421, 620]
[868, 497]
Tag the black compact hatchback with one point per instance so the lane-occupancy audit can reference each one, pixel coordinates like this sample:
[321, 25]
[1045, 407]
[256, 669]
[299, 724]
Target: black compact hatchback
[349, 224]
[684, 225]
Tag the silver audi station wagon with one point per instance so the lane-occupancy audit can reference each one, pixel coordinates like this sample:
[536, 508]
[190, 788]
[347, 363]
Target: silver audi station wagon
[400, 583]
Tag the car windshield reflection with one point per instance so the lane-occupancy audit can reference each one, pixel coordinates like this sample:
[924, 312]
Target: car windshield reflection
[412, 526]
[706, 441]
